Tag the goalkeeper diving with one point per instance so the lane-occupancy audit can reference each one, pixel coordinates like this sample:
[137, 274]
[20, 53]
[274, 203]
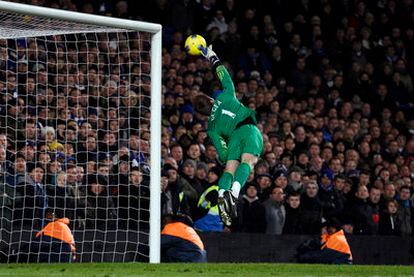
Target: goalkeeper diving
[232, 129]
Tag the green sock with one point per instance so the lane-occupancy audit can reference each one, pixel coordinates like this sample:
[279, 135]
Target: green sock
[225, 181]
[242, 173]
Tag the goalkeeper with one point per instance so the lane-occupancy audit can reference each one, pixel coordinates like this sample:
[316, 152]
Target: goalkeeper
[232, 129]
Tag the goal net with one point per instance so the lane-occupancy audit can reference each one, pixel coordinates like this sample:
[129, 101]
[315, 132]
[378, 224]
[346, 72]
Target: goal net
[76, 128]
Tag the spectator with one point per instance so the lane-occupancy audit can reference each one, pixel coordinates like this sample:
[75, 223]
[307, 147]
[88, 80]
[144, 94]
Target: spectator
[100, 210]
[219, 21]
[207, 214]
[405, 211]
[300, 76]
[201, 174]
[295, 183]
[340, 198]
[361, 212]
[280, 179]
[210, 154]
[78, 191]
[48, 135]
[311, 209]
[252, 213]
[389, 224]
[340, 88]
[275, 212]
[61, 198]
[177, 153]
[374, 199]
[35, 199]
[88, 150]
[264, 182]
[4, 164]
[388, 195]
[194, 152]
[188, 172]
[123, 169]
[293, 223]
[133, 201]
[17, 170]
[27, 134]
[327, 193]
[178, 195]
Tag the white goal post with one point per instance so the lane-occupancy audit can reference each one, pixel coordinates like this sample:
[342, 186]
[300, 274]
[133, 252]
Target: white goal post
[155, 102]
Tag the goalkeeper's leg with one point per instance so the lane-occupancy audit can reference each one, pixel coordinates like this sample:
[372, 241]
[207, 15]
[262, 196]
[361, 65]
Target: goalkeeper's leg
[227, 198]
[248, 161]
[226, 201]
[249, 141]
[246, 145]
[227, 178]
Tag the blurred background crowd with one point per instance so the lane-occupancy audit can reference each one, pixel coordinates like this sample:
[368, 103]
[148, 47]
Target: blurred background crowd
[331, 84]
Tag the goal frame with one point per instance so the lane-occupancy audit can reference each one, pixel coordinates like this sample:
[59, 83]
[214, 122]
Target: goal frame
[155, 122]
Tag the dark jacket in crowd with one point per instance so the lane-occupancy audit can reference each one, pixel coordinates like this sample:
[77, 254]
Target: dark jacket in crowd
[179, 197]
[389, 225]
[100, 211]
[61, 201]
[311, 215]
[405, 217]
[375, 217]
[275, 216]
[361, 214]
[332, 202]
[133, 206]
[30, 204]
[294, 223]
[252, 216]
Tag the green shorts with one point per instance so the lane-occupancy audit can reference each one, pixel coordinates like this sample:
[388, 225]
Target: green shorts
[245, 139]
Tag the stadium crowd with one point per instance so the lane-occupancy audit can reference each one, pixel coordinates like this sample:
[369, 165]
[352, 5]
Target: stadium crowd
[74, 117]
[331, 84]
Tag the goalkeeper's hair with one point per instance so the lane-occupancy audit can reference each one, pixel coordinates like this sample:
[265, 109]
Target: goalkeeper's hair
[202, 104]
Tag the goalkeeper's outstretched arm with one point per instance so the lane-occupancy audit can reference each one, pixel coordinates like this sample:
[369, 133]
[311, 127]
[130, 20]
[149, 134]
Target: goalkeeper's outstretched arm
[220, 145]
[219, 68]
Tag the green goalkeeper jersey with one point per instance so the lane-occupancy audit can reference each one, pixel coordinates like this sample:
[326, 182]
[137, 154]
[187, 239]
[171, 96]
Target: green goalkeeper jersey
[227, 112]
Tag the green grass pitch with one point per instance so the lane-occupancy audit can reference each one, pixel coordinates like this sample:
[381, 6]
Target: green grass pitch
[137, 269]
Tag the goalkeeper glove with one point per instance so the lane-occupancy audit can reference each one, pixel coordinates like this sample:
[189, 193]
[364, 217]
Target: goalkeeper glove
[209, 54]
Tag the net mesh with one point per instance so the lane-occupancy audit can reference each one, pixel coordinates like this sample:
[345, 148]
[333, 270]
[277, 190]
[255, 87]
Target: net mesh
[19, 25]
[74, 140]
